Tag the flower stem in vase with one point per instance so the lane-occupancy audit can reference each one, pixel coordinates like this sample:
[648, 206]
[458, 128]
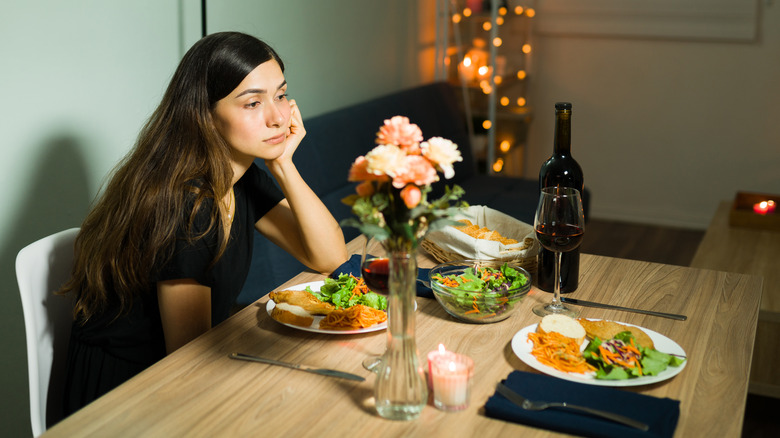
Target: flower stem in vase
[401, 391]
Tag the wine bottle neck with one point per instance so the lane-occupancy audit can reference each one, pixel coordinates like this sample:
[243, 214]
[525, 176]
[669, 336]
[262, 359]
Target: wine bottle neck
[562, 141]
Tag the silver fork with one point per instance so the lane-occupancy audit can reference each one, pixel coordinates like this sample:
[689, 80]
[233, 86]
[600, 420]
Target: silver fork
[540, 405]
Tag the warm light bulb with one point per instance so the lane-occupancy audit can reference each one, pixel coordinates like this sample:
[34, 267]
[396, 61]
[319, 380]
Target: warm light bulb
[504, 101]
[467, 61]
[505, 145]
[526, 48]
[487, 89]
[467, 12]
[521, 101]
[487, 124]
[518, 10]
[456, 18]
[530, 12]
[483, 70]
[497, 80]
[486, 25]
[521, 74]
[498, 165]
[499, 20]
[497, 42]
[502, 10]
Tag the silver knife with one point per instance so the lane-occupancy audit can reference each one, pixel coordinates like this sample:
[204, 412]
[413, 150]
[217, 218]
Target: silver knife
[300, 367]
[584, 303]
[529, 405]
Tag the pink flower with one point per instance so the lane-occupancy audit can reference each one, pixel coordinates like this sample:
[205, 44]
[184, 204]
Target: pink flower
[400, 132]
[443, 153]
[411, 195]
[418, 171]
[386, 159]
[359, 172]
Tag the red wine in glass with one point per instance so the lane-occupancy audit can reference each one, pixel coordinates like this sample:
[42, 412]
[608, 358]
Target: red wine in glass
[376, 272]
[559, 237]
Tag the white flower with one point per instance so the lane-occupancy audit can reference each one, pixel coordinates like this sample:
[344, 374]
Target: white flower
[386, 159]
[442, 152]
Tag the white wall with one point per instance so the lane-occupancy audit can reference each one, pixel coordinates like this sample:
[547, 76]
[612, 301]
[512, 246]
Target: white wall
[664, 129]
[80, 77]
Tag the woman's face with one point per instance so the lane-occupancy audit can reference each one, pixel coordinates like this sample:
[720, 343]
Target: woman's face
[255, 117]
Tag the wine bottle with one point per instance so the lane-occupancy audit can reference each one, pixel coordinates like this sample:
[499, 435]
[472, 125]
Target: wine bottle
[560, 170]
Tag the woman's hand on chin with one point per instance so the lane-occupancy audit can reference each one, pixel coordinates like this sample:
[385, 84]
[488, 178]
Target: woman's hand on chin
[294, 136]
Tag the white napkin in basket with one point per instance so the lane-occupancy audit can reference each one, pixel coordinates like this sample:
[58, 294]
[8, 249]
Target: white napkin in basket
[453, 240]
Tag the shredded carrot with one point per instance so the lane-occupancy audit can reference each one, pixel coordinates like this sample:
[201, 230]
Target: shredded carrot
[560, 352]
[351, 318]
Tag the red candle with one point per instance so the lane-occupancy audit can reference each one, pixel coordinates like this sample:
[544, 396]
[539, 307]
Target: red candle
[764, 207]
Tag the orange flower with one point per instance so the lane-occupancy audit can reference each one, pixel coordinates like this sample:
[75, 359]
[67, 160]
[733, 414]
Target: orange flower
[418, 170]
[366, 188]
[411, 195]
[359, 172]
[400, 132]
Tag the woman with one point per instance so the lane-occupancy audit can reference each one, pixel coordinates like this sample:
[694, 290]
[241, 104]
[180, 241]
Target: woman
[165, 251]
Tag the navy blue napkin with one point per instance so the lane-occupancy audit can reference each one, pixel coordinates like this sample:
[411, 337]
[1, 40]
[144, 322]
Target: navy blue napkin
[352, 266]
[661, 414]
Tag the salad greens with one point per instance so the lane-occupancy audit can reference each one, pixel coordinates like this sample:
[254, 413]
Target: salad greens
[482, 290]
[348, 291]
[620, 358]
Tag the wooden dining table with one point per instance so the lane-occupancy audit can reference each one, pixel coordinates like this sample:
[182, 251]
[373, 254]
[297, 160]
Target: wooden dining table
[199, 391]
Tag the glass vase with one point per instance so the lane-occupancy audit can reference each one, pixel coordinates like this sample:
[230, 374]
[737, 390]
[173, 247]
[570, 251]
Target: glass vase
[401, 390]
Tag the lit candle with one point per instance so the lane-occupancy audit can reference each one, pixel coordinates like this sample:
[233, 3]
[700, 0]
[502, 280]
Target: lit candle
[449, 375]
[764, 207]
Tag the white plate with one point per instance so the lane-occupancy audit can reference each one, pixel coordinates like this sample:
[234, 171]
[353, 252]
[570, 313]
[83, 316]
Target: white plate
[315, 326]
[522, 346]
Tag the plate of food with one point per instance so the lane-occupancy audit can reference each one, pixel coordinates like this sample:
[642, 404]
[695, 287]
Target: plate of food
[342, 306]
[598, 352]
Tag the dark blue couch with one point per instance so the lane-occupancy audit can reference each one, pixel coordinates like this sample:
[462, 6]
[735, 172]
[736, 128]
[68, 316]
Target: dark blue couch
[335, 139]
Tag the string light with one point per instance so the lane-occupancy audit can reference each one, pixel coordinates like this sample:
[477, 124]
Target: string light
[499, 20]
[497, 42]
[518, 10]
[487, 26]
[505, 146]
[521, 74]
[456, 18]
[530, 12]
[498, 165]
[504, 101]
[487, 124]
[521, 101]
[526, 48]
[467, 12]
[497, 80]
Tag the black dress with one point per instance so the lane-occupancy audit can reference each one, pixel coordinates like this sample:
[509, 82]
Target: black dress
[106, 352]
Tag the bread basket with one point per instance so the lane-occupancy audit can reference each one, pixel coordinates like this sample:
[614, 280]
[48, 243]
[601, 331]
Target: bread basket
[451, 244]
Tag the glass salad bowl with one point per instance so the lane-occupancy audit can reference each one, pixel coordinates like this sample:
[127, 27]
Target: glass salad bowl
[479, 291]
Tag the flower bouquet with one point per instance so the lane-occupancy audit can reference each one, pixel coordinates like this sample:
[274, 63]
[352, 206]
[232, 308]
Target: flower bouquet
[391, 203]
[392, 206]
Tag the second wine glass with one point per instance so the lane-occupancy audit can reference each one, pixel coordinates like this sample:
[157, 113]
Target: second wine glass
[375, 270]
[559, 224]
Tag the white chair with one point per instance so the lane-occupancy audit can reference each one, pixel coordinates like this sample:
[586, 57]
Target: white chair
[41, 268]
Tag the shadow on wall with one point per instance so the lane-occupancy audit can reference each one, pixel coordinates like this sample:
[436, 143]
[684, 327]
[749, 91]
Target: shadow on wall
[55, 196]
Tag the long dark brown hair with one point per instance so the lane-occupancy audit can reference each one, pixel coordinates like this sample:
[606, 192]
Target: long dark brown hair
[179, 156]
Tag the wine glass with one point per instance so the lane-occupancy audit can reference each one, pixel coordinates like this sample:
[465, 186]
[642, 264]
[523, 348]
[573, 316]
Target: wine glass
[559, 224]
[375, 268]
[375, 271]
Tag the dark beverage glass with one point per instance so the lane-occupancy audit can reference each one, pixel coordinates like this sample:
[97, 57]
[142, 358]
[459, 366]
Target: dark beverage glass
[559, 224]
[376, 272]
